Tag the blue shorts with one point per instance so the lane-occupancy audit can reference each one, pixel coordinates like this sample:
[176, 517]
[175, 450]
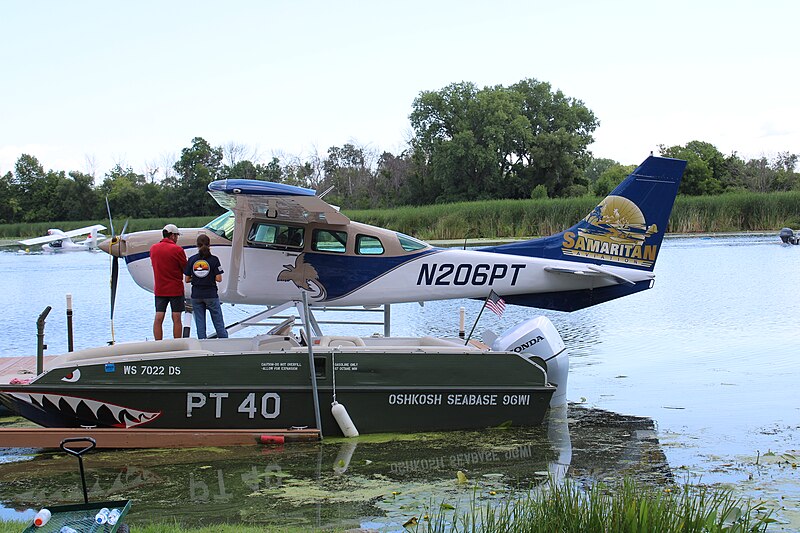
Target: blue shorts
[175, 302]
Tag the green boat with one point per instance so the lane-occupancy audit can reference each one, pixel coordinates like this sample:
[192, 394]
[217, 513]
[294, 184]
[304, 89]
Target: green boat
[388, 384]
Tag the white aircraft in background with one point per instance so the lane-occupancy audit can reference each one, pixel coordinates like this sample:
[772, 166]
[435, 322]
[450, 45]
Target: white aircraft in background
[277, 241]
[61, 241]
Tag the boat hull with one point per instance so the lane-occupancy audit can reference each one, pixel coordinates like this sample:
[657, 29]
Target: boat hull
[401, 409]
[383, 392]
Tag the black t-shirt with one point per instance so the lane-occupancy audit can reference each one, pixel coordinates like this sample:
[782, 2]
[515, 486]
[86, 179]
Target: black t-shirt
[203, 271]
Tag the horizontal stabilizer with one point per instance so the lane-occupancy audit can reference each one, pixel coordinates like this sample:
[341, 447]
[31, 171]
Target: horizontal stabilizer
[591, 271]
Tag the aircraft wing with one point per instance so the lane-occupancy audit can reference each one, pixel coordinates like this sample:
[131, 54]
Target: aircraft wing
[275, 200]
[590, 270]
[43, 240]
[84, 231]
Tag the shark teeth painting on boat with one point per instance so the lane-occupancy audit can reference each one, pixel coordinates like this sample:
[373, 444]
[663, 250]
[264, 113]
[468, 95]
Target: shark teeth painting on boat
[100, 413]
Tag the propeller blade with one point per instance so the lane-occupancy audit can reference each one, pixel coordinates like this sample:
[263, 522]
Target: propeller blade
[114, 266]
[124, 227]
[114, 278]
[110, 223]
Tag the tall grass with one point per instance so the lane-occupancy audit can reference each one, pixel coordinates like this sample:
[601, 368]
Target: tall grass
[559, 507]
[516, 218]
[523, 218]
[628, 508]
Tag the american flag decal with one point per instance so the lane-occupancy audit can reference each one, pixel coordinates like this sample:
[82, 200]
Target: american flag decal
[495, 303]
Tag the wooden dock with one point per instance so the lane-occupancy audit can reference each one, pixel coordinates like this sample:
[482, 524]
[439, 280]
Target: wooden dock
[19, 367]
[153, 438]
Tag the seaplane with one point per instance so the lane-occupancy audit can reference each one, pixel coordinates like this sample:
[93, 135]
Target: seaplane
[283, 245]
[277, 241]
[61, 241]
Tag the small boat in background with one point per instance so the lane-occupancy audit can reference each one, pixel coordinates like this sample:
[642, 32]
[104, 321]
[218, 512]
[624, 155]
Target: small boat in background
[788, 236]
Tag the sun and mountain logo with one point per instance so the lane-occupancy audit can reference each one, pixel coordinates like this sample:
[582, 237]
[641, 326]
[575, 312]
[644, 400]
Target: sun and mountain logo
[201, 268]
[304, 276]
[615, 230]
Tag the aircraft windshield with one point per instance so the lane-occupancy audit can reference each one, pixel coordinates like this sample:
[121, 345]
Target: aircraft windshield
[410, 244]
[223, 225]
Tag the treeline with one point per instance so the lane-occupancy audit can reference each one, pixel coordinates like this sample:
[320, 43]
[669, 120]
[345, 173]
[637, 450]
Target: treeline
[517, 142]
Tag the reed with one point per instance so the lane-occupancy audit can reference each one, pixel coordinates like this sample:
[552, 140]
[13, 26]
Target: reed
[524, 218]
[628, 507]
[513, 218]
[623, 508]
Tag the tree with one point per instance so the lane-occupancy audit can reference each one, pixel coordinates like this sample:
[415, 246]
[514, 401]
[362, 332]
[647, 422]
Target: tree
[394, 176]
[610, 178]
[499, 141]
[705, 166]
[785, 177]
[9, 199]
[125, 191]
[78, 196]
[349, 170]
[198, 166]
[596, 168]
[36, 188]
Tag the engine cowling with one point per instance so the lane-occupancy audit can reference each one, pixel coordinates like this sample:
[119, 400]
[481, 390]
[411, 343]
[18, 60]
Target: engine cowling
[538, 337]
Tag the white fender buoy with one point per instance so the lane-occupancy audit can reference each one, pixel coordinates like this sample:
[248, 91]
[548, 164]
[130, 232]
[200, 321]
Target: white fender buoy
[343, 419]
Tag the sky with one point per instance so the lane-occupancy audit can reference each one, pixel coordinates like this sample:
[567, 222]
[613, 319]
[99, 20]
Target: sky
[86, 85]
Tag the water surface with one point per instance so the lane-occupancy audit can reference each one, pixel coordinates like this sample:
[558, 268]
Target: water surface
[709, 355]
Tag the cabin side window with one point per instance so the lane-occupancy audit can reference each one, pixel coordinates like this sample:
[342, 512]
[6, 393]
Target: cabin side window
[325, 240]
[223, 225]
[368, 245]
[264, 234]
[410, 244]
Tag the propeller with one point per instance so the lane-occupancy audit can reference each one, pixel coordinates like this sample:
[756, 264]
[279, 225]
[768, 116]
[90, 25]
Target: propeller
[115, 240]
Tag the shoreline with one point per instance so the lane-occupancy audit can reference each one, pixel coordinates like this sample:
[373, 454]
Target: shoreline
[490, 241]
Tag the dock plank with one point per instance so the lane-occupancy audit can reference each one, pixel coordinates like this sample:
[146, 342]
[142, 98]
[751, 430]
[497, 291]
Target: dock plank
[19, 367]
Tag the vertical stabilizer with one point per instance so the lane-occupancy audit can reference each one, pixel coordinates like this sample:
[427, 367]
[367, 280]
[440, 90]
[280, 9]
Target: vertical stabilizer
[625, 229]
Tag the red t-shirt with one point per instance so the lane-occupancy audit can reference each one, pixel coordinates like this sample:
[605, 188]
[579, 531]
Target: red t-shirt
[168, 260]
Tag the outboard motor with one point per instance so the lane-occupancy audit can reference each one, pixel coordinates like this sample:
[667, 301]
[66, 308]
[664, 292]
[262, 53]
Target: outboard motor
[538, 336]
[788, 236]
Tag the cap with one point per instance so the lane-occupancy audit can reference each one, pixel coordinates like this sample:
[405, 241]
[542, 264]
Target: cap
[172, 228]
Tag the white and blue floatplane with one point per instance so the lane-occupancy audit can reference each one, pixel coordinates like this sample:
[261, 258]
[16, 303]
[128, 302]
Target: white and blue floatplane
[281, 246]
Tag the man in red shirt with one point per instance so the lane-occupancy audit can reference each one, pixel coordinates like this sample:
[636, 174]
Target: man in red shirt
[169, 261]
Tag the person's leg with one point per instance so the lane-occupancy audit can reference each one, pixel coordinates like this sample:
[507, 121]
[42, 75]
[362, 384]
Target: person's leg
[199, 312]
[158, 322]
[177, 325]
[178, 307]
[216, 317]
[158, 325]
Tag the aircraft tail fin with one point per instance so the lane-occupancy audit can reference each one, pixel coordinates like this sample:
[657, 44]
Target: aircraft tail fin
[625, 229]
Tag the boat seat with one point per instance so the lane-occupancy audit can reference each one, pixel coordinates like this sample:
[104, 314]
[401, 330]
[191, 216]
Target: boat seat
[131, 348]
[435, 341]
[284, 328]
[275, 342]
[336, 341]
